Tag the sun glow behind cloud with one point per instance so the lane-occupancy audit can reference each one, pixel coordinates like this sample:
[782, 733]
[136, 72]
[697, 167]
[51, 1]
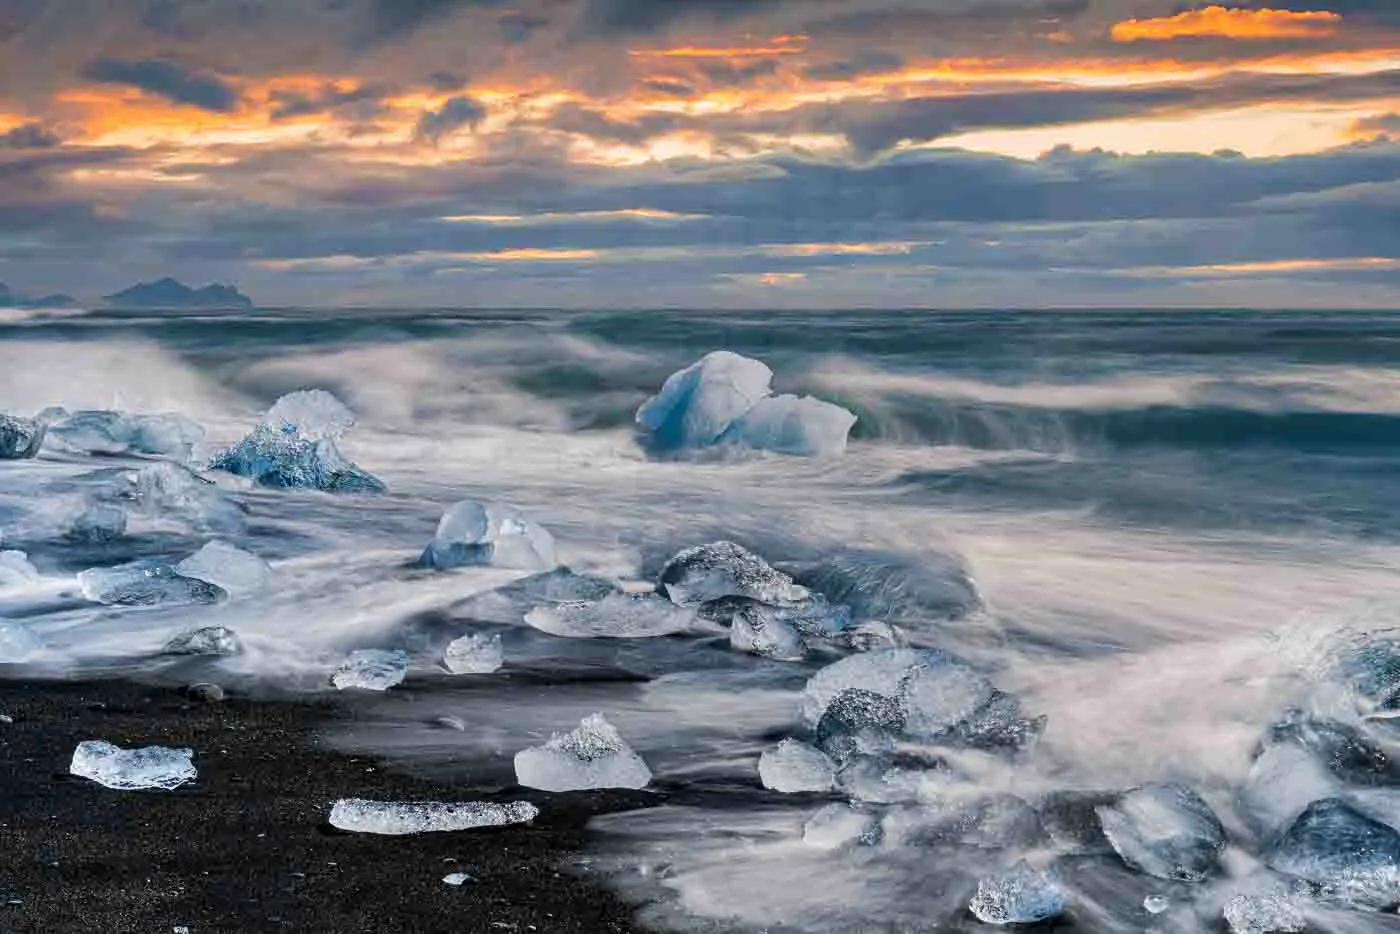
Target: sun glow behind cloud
[1229, 23]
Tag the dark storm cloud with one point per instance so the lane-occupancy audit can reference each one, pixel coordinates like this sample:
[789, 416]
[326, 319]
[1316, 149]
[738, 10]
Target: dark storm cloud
[455, 113]
[168, 80]
[29, 136]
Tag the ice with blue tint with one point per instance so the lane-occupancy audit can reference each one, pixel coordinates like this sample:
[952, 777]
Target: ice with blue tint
[18, 643]
[793, 766]
[474, 533]
[859, 723]
[20, 438]
[698, 404]
[1020, 895]
[592, 756]
[206, 640]
[146, 583]
[474, 654]
[149, 767]
[103, 431]
[398, 818]
[802, 426]
[723, 569]
[1353, 858]
[510, 603]
[98, 524]
[838, 825]
[1269, 913]
[1165, 830]
[760, 630]
[371, 670]
[294, 447]
[229, 567]
[16, 570]
[616, 616]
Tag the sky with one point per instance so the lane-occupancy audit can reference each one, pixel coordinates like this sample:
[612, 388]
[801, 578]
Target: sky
[706, 153]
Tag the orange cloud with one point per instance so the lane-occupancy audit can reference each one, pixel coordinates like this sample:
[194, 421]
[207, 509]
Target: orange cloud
[1227, 23]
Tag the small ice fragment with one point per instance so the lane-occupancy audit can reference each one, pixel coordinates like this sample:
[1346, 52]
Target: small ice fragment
[294, 447]
[696, 405]
[236, 571]
[1164, 830]
[132, 769]
[1356, 859]
[1155, 904]
[371, 669]
[18, 643]
[396, 818]
[15, 570]
[472, 532]
[20, 438]
[474, 654]
[145, 584]
[206, 640]
[592, 756]
[759, 630]
[805, 427]
[838, 825]
[1021, 895]
[98, 524]
[616, 616]
[1273, 913]
[793, 766]
[456, 878]
[723, 569]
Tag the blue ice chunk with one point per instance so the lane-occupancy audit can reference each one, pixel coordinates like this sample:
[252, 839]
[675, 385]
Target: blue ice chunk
[146, 583]
[1354, 859]
[104, 431]
[294, 447]
[698, 404]
[20, 438]
[802, 426]
[1164, 830]
[1020, 895]
[485, 533]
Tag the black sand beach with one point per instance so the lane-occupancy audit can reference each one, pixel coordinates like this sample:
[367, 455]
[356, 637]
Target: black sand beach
[246, 847]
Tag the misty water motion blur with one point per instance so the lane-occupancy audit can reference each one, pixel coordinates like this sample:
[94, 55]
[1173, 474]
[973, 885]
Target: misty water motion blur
[1155, 531]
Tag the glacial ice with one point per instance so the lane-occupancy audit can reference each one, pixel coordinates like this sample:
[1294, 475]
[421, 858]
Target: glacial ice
[1155, 904]
[696, 405]
[102, 431]
[371, 669]
[592, 756]
[793, 766]
[1356, 860]
[883, 671]
[396, 818]
[18, 643]
[1283, 781]
[1020, 895]
[294, 447]
[16, 570]
[98, 524]
[145, 583]
[859, 723]
[132, 769]
[838, 825]
[456, 878]
[1272, 913]
[20, 438]
[509, 604]
[893, 586]
[723, 569]
[1346, 752]
[474, 654]
[206, 640]
[1164, 830]
[805, 427]
[164, 491]
[616, 616]
[484, 533]
[236, 571]
[761, 630]
[939, 694]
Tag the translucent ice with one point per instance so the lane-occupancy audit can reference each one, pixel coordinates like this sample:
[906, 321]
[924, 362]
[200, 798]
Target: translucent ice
[396, 818]
[760, 630]
[165, 491]
[104, 431]
[592, 756]
[793, 766]
[696, 405]
[145, 583]
[1020, 895]
[1355, 859]
[131, 769]
[859, 723]
[616, 616]
[939, 694]
[15, 570]
[18, 643]
[803, 426]
[97, 524]
[474, 654]
[883, 672]
[1272, 913]
[20, 437]
[1284, 780]
[207, 640]
[1155, 904]
[723, 569]
[371, 670]
[838, 825]
[510, 603]
[481, 533]
[295, 447]
[456, 878]
[1164, 830]
[237, 571]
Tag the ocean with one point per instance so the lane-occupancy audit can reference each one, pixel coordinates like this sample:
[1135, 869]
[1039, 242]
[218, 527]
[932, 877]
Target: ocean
[1170, 519]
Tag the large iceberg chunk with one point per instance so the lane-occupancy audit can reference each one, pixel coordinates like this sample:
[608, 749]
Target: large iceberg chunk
[616, 616]
[1271, 913]
[236, 571]
[474, 654]
[16, 570]
[145, 583]
[371, 669]
[699, 403]
[724, 569]
[592, 756]
[793, 766]
[1164, 830]
[1021, 895]
[132, 769]
[295, 447]
[405, 817]
[805, 426]
[18, 643]
[20, 438]
[483, 533]
[1353, 858]
[102, 431]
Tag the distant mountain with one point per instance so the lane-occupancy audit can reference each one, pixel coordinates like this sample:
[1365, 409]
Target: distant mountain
[169, 293]
[9, 299]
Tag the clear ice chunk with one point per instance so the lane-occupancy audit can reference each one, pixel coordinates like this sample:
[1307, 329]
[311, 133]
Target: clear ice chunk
[616, 616]
[1155, 904]
[133, 769]
[396, 818]
[18, 643]
[236, 571]
[939, 694]
[883, 672]
[839, 825]
[1356, 860]
[805, 427]
[474, 654]
[509, 604]
[793, 766]
[1272, 913]
[102, 431]
[1164, 830]
[724, 569]
[484, 533]
[592, 756]
[20, 438]
[760, 630]
[16, 570]
[98, 524]
[859, 723]
[698, 404]
[207, 640]
[456, 878]
[1283, 781]
[144, 583]
[1020, 895]
[294, 447]
[371, 669]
